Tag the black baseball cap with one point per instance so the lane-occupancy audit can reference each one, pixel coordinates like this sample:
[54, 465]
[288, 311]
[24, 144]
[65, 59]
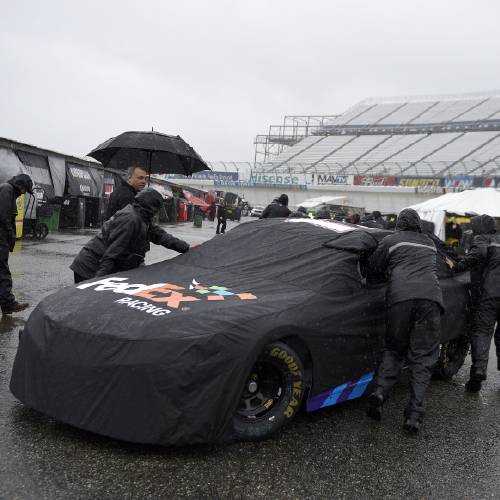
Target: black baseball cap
[24, 181]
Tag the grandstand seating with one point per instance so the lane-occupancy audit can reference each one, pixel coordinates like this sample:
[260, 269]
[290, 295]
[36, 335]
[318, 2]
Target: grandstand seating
[355, 149]
[397, 144]
[431, 110]
[421, 150]
[385, 137]
[294, 153]
[488, 109]
[409, 112]
[327, 146]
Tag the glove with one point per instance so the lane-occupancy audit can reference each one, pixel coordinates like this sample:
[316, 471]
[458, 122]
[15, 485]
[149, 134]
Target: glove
[182, 247]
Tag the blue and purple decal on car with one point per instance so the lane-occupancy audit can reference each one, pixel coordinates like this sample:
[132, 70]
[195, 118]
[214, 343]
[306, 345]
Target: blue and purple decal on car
[344, 392]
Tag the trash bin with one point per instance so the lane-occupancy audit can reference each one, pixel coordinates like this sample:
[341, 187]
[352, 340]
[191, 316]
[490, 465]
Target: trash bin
[198, 220]
[49, 215]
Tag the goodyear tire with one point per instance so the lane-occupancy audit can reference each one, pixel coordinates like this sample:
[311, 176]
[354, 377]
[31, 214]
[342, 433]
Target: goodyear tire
[452, 357]
[272, 394]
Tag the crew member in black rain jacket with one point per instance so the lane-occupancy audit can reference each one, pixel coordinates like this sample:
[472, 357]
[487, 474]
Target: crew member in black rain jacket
[124, 239]
[483, 260]
[9, 192]
[278, 208]
[375, 220]
[414, 305]
[300, 213]
[221, 219]
[479, 225]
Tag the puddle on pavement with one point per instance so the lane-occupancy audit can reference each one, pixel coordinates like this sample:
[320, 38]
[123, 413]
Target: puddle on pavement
[9, 322]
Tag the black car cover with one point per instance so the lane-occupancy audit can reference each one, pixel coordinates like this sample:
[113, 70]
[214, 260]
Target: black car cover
[160, 354]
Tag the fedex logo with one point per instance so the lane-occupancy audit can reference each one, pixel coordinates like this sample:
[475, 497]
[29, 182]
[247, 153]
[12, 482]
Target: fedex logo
[161, 294]
[164, 293]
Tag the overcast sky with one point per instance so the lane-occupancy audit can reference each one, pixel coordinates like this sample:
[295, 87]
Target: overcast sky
[216, 72]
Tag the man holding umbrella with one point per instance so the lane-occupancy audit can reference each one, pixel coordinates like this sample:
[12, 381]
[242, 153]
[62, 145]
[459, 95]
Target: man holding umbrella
[125, 192]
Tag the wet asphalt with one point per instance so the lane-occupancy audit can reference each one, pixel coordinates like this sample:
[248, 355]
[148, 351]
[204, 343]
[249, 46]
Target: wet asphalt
[333, 453]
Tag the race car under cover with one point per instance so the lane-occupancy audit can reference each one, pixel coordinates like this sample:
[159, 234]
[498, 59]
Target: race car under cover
[224, 342]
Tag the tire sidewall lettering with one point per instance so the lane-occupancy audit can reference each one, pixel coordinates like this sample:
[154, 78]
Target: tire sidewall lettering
[295, 376]
[289, 365]
[288, 360]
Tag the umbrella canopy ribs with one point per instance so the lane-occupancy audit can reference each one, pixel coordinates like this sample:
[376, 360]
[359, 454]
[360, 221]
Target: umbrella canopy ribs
[158, 153]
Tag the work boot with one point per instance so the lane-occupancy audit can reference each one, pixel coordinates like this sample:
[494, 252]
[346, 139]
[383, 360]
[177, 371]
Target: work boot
[375, 404]
[473, 384]
[475, 381]
[412, 424]
[14, 307]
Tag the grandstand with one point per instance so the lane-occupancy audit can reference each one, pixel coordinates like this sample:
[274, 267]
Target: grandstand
[431, 136]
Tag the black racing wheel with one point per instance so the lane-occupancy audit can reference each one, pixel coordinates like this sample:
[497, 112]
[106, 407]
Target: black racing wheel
[272, 394]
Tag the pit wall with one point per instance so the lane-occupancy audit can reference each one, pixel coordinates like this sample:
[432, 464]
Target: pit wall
[388, 199]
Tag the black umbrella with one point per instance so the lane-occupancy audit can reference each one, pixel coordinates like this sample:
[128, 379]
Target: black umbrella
[158, 153]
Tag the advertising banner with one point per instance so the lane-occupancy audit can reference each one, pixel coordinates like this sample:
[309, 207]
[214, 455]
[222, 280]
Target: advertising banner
[81, 182]
[211, 175]
[252, 184]
[422, 184]
[330, 180]
[374, 180]
[486, 182]
[459, 182]
[224, 183]
[207, 175]
[278, 179]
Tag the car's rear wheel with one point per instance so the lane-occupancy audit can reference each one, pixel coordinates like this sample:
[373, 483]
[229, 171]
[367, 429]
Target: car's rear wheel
[272, 394]
[452, 357]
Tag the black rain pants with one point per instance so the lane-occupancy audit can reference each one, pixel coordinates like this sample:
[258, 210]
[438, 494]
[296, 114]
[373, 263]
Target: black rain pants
[221, 226]
[6, 297]
[413, 334]
[486, 314]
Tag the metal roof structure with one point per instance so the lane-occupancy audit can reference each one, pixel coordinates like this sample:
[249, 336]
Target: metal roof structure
[434, 136]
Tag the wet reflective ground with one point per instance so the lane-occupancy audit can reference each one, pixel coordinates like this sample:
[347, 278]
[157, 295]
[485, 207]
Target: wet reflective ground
[333, 453]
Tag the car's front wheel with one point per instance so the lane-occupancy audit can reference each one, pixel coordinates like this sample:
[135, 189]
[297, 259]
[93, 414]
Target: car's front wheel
[272, 394]
[452, 357]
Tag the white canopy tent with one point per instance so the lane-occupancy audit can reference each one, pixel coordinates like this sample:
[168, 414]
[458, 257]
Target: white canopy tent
[475, 201]
[323, 200]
